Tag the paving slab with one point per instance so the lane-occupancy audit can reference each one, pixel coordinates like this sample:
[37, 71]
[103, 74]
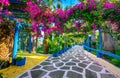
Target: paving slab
[72, 64]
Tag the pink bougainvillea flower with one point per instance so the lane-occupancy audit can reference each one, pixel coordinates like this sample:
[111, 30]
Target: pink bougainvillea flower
[54, 28]
[118, 10]
[118, 31]
[94, 26]
[113, 22]
[0, 8]
[57, 23]
[4, 2]
[1, 20]
[76, 24]
[70, 11]
[61, 13]
[48, 31]
[91, 6]
[109, 5]
[33, 9]
[6, 12]
[80, 6]
[92, 0]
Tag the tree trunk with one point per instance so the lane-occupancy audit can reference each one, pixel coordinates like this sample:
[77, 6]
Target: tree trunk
[36, 42]
[45, 46]
[34, 45]
[45, 43]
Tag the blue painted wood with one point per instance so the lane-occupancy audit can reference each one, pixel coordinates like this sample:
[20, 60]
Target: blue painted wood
[104, 52]
[55, 54]
[12, 17]
[21, 62]
[18, 25]
[100, 43]
[90, 48]
[88, 43]
[110, 54]
[15, 45]
[100, 38]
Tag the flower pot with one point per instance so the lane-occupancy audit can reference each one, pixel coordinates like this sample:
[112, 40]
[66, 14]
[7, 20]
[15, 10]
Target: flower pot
[60, 52]
[70, 47]
[65, 49]
[21, 62]
[55, 54]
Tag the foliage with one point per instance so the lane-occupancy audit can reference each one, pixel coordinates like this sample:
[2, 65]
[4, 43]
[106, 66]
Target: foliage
[115, 62]
[39, 49]
[20, 56]
[118, 52]
[53, 45]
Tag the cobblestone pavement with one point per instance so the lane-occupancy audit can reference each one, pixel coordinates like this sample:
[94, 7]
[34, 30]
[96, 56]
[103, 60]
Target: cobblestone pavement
[72, 64]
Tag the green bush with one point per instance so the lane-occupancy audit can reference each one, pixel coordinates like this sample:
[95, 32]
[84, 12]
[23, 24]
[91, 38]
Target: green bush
[117, 52]
[19, 58]
[93, 52]
[53, 46]
[39, 49]
[115, 62]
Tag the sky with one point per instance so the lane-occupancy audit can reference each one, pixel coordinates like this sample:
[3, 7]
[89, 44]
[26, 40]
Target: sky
[67, 3]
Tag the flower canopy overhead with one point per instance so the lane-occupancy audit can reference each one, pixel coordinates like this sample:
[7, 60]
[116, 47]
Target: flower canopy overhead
[91, 11]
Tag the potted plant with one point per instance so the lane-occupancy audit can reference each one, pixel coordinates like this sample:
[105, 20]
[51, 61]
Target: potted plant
[55, 54]
[19, 60]
[60, 52]
[53, 47]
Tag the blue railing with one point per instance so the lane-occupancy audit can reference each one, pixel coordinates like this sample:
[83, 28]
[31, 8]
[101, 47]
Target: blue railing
[101, 52]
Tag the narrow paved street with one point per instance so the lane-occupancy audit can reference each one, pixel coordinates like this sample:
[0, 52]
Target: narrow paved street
[72, 64]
